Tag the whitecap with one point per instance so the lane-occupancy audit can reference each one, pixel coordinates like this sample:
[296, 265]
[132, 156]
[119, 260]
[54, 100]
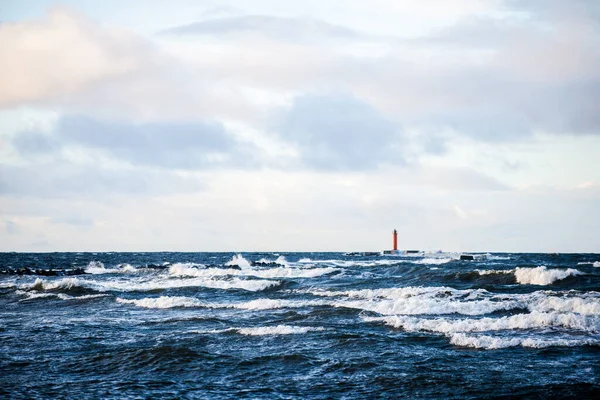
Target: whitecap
[533, 320]
[542, 275]
[434, 261]
[278, 330]
[163, 302]
[238, 260]
[492, 342]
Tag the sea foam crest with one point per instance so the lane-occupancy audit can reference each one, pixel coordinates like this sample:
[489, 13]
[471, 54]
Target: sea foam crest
[421, 300]
[64, 283]
[268, 304]
[180, 269]
[433, 261]
[592, 263]
[37, 295]
[163, 302]
[235, 283]
[238, 260]
[533, 320]
[494, 271]
[278, 330]
[588, 304]
[494, 342]
[98, 268]
[542, 275]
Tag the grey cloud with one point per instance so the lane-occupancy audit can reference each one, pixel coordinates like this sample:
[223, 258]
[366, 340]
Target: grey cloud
[339, 132]
[292, 29]
[169, 145]
[66, 180]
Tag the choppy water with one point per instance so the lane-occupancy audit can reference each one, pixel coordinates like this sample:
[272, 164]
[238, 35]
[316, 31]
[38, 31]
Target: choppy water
[310, 325]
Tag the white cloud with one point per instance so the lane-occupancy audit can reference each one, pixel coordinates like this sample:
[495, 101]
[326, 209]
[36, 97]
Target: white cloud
[61, 54]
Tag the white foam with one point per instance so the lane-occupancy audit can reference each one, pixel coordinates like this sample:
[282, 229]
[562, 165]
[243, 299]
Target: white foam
[163, 302]
[269, 304]
[240, 261]
[587, 305]
[277, 272]
[492, 257]
[542, 275]
[283, 272]
[278, 330]
[421, 300]
[130, 285]
[434, 261]
[533, 320]
[592, 263]
[445, 300]
[492, 342]
[37, 295]
[494, 271]
[282, 261]
[64, 283]
[264, 330]
[98, 268]
[7, 285]
[235, 283]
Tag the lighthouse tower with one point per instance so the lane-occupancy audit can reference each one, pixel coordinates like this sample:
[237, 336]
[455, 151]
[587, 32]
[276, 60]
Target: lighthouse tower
[394, 250]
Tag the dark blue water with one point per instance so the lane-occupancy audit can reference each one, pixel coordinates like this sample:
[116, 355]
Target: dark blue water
[292, 325]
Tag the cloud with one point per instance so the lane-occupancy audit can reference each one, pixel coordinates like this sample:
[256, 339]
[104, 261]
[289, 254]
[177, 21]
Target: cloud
[295, 29]
[340, 132]
[62, 54]
[69, 180]
[191, 145]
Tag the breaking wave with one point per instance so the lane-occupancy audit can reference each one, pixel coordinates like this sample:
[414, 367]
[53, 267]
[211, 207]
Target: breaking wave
[542, 275]
[163, 302]
[98, 268]
[277, 272]
[533, 320]
[151, 284]
[492, 342]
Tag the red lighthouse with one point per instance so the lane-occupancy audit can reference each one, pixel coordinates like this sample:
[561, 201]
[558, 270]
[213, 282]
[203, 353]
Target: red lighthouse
[395, 241]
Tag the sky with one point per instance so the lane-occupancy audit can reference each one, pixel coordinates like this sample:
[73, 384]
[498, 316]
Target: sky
[320, 125]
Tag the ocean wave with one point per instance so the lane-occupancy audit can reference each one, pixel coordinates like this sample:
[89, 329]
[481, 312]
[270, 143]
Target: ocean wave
[592, 263]
[278, 330]
[163, 302]
[492, 257]
[253, 305]
[492, 342]
[163, 284]
[238, 260]
[131, 285]
[494, 271]
[434, 261]
[63, 296]
[264, 330]
[277, 272]
[98, 268]
[587, 304]
[269, 304]
[445, 300]
[533, 320]
[542, 275]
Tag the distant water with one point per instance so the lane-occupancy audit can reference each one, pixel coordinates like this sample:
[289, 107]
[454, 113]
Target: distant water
[298, 325]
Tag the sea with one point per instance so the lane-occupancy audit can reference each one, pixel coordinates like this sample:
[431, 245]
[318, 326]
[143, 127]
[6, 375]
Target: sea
[299, 325]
